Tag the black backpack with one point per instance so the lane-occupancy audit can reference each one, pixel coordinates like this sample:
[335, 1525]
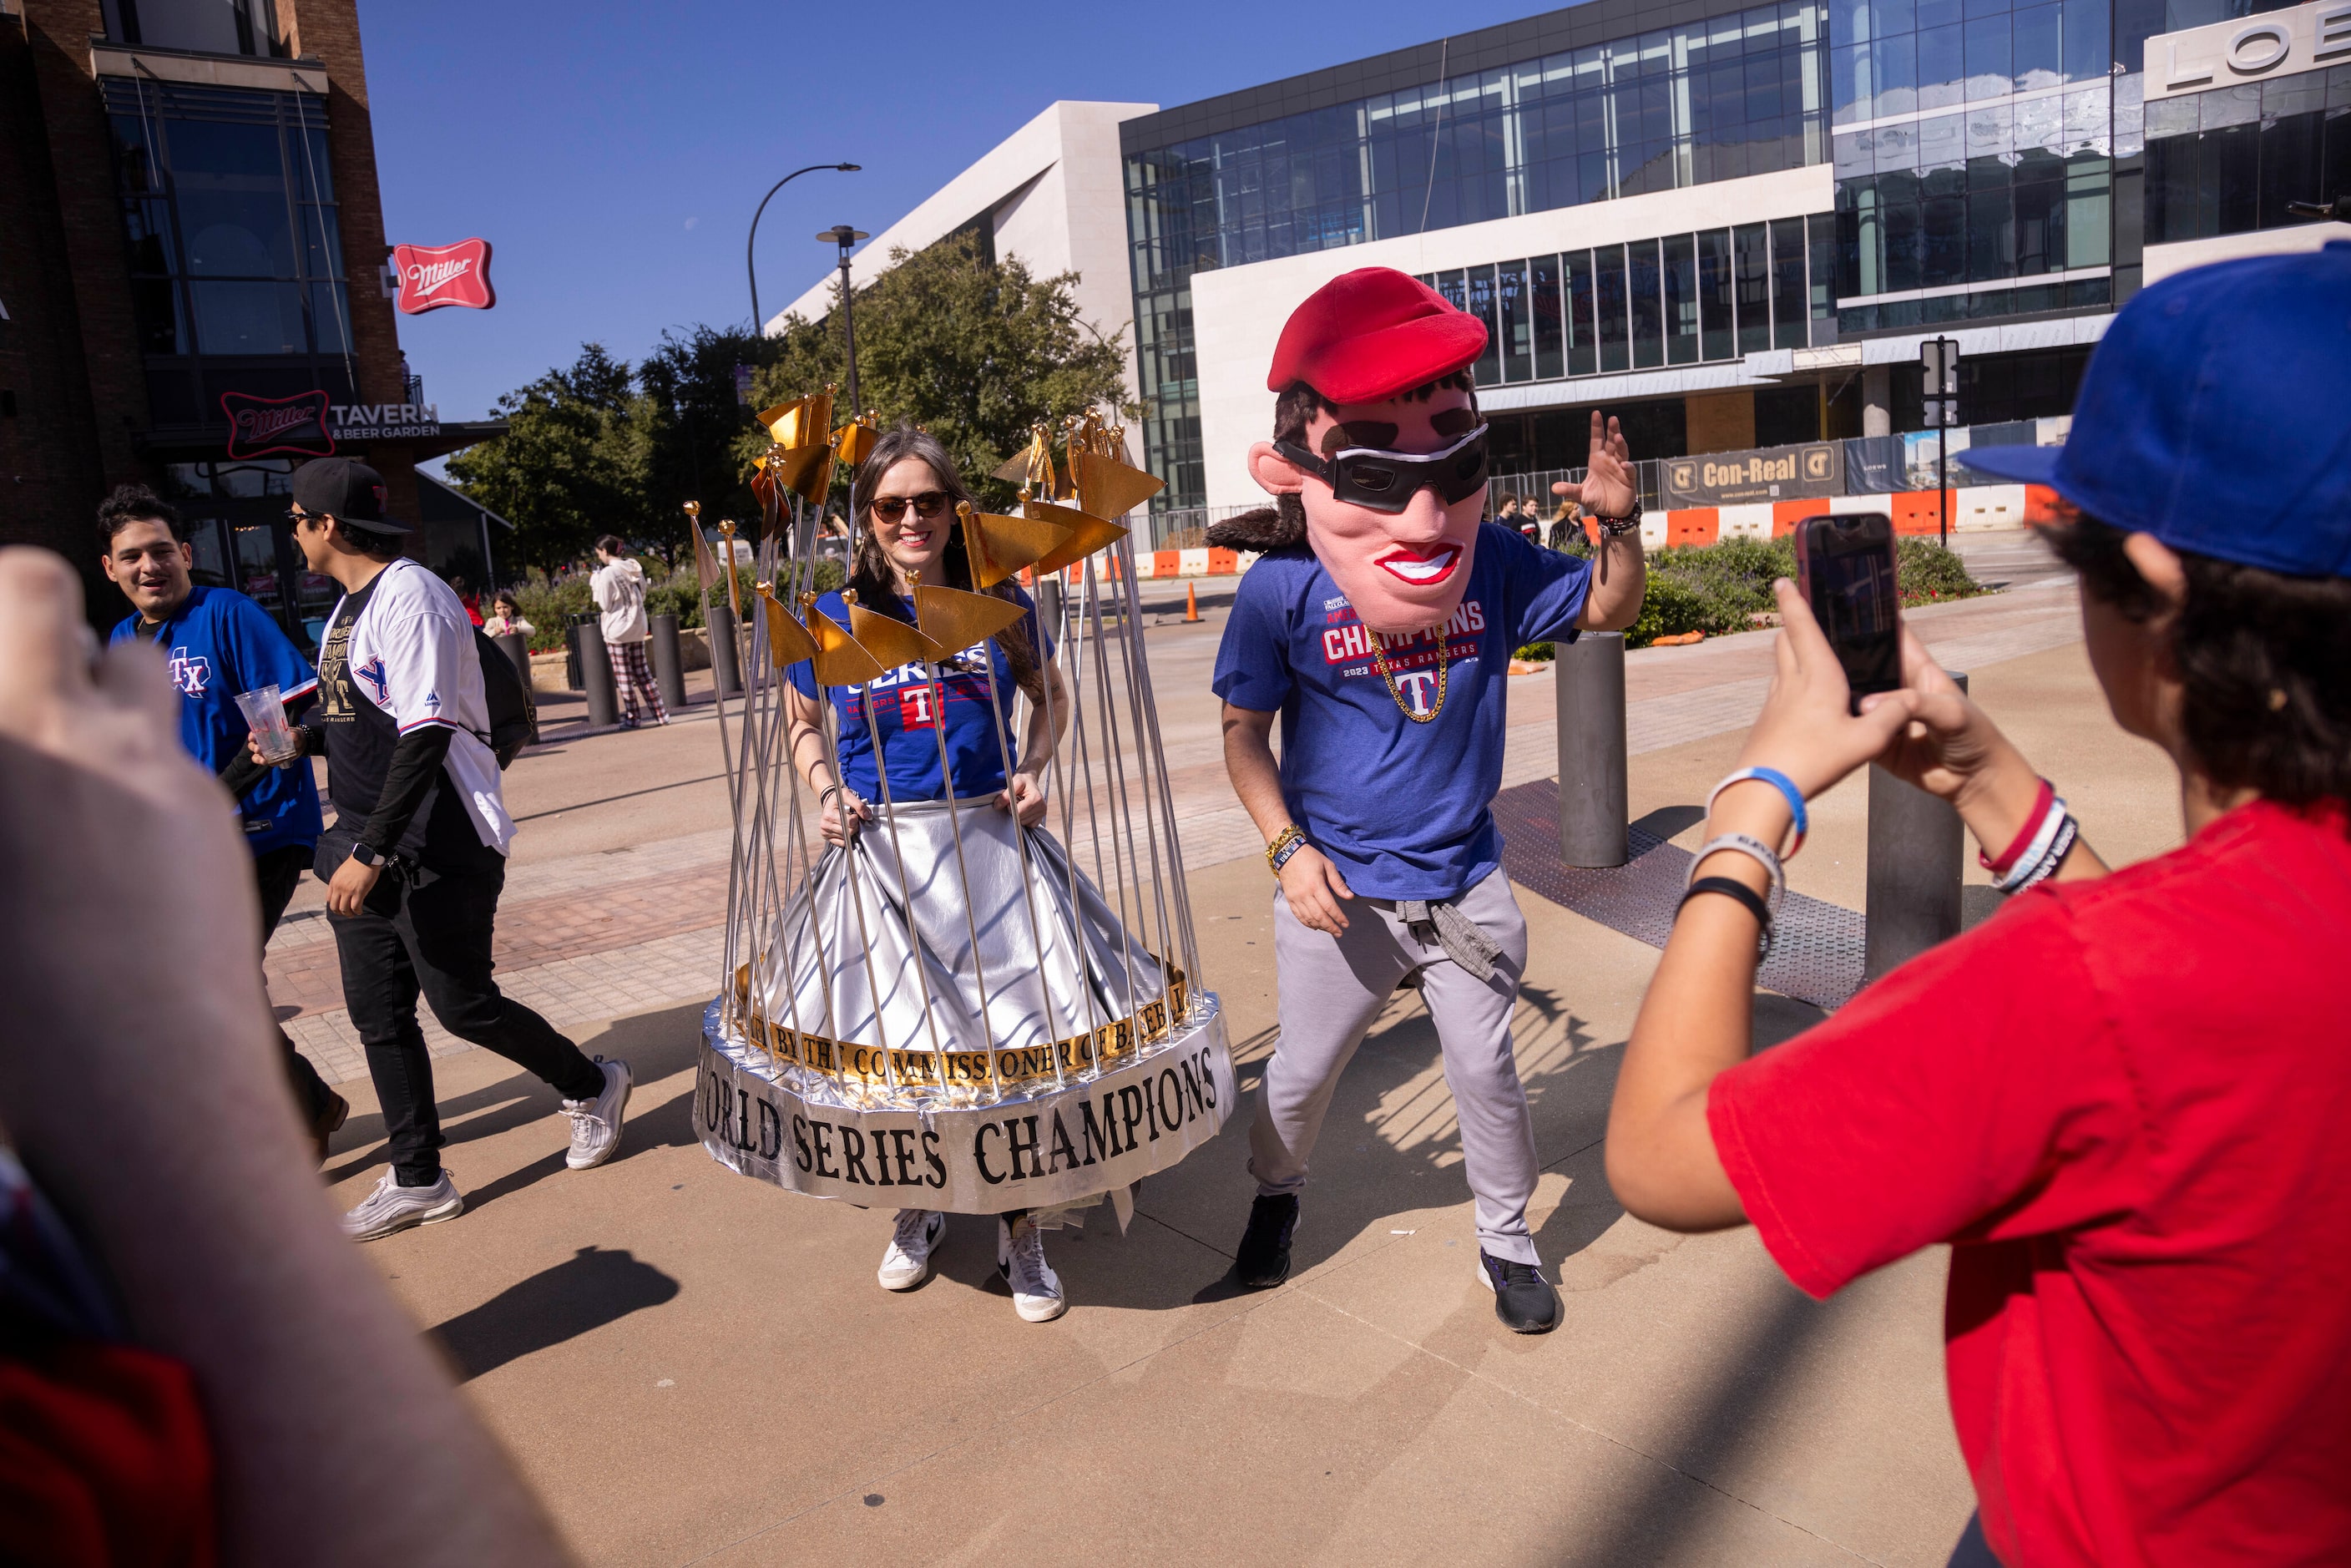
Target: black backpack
[514, 719]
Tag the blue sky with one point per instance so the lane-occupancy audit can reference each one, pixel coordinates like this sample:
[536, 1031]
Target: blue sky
[612, 153]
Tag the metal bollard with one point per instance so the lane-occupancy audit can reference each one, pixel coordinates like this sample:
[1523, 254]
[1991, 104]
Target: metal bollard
[726, 659]
[516, 648]
[596, 676]
[1915, 846]
[669, 670]
[1591, 793]
[1049, 605]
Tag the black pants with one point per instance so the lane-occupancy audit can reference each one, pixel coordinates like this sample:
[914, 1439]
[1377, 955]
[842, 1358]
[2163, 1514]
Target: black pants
[278, 872]
[432, 935]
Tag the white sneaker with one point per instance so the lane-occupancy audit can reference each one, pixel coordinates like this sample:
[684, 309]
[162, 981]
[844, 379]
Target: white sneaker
[1020, 1259]
[596, 1124]
[391, 1208]
[907, 1263]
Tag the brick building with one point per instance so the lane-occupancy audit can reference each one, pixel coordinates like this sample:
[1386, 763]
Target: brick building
[192, 282]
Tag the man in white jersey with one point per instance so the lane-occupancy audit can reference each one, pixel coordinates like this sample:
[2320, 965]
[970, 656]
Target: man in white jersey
[416, 858]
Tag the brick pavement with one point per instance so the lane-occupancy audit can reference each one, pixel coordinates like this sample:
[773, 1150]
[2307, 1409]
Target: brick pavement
[626, 931]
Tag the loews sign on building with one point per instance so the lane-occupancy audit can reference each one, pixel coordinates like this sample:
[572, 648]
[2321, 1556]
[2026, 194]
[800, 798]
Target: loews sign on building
[2275, 44]
[1774, 473]
[434, 276]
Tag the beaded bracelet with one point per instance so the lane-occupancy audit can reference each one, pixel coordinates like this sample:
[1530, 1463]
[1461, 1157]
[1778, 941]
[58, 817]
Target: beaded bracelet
[1285, 844]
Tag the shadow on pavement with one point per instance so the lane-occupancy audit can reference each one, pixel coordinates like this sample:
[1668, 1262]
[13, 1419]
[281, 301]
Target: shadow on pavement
[576, 1297]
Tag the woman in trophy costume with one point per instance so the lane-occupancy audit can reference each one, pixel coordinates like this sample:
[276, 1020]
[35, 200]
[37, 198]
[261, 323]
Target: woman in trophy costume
[956, 715]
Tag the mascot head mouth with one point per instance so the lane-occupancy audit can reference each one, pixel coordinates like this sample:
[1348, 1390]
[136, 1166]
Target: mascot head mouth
[1421, 567]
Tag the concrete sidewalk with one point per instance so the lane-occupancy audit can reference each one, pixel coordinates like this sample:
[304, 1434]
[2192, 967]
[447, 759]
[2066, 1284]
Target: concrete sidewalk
[694, 1368]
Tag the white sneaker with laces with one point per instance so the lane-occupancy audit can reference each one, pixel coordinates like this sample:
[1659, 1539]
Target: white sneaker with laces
[1020, 1259]
[596, 1124]
[907, 1263]
[392, 1207]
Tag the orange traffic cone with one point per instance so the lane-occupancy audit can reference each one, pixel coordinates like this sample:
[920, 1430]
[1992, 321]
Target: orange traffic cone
[1191, 602]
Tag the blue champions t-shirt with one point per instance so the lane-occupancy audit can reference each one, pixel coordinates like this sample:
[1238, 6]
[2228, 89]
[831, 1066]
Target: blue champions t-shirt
[1402, 808]
[906, 714]
[218, 644]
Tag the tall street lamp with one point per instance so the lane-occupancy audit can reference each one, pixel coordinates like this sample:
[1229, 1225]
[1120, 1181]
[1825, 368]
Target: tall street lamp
[844, 236]
[748, 264]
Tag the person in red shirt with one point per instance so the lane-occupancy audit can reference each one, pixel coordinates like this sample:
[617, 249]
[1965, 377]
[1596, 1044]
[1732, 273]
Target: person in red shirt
[2123, 1099]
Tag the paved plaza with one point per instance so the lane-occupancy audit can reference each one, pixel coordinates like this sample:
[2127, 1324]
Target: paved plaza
[692, 1367]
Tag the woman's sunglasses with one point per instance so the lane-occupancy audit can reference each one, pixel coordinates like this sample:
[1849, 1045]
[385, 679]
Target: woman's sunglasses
[1387, 481]
[927, 505]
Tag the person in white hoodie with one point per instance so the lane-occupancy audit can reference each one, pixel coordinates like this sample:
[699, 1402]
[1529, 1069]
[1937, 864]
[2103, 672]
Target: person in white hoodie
[618, 587]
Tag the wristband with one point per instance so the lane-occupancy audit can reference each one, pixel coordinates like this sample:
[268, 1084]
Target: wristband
[2024, 835]
[1788, 793]
[2040, 855]
[1747, 897]
[1285, 844]
[1754, 849]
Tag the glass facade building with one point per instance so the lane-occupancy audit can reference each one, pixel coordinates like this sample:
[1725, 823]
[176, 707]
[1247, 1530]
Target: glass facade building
[1744, 92]
[2227, 161]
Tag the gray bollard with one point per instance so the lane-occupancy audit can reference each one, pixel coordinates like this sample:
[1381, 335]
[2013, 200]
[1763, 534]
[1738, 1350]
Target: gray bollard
[669, 669]
[1049, 605]
[1592, 793]
[725, 660]
[516, 648]
[596, 676]
[1916, 858]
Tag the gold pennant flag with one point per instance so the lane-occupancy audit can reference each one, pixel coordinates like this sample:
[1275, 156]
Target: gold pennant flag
[1108, 488]
[998, 547]
[805, 469]
[852, 440]
[787, 638]
[840, 661]
[803, 422]
[704, 567]
[1088, 534]
[890, 641]
[953, 620]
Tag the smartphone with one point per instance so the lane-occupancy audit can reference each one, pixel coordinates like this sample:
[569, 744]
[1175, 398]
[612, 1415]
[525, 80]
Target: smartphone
[1845, 569]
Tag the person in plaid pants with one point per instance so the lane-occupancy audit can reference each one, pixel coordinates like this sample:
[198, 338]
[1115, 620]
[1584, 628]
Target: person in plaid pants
[618, 587]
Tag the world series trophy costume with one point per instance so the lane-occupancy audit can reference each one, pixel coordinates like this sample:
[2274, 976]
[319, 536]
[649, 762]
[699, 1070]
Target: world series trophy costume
[1378, 628]
[960, 972]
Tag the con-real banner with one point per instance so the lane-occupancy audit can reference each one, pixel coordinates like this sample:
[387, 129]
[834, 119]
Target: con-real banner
[1031, 1152]
[1774, 473]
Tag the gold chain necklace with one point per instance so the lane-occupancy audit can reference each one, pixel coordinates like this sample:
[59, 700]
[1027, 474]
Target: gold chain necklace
[1380, 658]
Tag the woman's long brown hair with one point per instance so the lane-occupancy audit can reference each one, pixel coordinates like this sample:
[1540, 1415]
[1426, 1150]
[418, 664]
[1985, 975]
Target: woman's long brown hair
[876, 582]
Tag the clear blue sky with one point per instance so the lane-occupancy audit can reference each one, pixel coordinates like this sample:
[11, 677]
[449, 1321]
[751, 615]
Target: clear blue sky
[612, 153]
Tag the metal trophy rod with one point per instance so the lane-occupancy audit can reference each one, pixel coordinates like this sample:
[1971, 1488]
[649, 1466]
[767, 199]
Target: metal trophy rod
[1180, 890]
[1065, 779]
[1123, 808]
[1117, 868]
[1028, 867]
[1137, 677]
[726, 761]
[799, 839]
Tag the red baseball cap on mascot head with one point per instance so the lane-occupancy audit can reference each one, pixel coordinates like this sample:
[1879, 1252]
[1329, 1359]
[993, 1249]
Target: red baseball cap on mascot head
[1364, 341]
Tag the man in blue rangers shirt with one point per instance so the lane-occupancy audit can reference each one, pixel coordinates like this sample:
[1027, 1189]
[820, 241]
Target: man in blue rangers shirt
[1379, 626]
[218, 643]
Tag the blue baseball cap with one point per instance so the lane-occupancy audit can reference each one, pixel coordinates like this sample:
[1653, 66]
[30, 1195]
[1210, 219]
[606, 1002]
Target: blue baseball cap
[2216, 415]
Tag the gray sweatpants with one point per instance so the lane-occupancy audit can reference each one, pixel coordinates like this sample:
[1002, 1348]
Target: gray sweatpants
[1332, 989]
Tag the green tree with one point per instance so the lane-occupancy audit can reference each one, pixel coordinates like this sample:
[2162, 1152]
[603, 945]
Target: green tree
[572, 462]
[696, 421]
[972, 351]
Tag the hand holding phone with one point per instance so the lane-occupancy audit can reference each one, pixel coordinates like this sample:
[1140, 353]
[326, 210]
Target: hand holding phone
[1845, 569]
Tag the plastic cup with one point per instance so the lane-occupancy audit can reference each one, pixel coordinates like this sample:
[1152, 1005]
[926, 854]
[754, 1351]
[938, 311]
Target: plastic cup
[264, 711]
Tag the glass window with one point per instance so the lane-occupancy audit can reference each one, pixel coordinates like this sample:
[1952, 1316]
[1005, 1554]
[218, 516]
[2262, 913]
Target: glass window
[2087, 54]
[1482, 305]
[2290, 148]
[1583, 340]
[1616, 345]
[2040, 243]
[2089, 212]
[1991, 56]
[1992, 236]
[1646, 290]
[1820, 234]
[1942, 68]
[1518, 327]
[2039, 50]
[1681, 299]
[1545, 310]
[1943, 242]
[1751, 244]
[1789, 309]
[1714, 295]
[2231, 178]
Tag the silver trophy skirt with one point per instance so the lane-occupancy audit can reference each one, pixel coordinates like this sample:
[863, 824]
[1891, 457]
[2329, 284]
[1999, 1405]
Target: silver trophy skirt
[947, 978]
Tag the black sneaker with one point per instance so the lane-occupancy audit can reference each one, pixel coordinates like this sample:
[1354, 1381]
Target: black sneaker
[1263, 1260]
[1523, 1299]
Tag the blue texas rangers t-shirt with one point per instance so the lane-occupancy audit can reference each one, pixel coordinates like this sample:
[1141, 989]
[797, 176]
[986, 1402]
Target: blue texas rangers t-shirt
[219, 643]
[907, 712]
[1402, 808]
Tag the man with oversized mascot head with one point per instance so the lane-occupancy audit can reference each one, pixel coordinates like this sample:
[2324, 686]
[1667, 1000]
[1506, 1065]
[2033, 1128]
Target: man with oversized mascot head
[1378, 626]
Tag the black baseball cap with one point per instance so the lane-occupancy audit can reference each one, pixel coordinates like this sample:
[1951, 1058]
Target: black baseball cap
[346, 490]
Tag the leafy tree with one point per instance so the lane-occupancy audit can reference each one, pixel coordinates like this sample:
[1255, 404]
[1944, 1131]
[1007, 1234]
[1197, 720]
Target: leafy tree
[696, 421]
[974, 352]
[572, 462]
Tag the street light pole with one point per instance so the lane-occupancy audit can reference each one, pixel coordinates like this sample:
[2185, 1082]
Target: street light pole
[844, 236]
[748, 264]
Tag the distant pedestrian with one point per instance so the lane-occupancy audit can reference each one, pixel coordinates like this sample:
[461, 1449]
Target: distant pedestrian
[417, 856]
[505, 616]
[218, 643]
[1506, 512]
[619, 588]
[1566, 524]
[466, 596]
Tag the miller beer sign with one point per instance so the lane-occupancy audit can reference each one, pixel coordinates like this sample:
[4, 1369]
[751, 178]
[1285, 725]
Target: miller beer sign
[264, 424]
[433, 276]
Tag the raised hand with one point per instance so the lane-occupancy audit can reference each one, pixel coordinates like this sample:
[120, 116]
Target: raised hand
[1608, 488]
